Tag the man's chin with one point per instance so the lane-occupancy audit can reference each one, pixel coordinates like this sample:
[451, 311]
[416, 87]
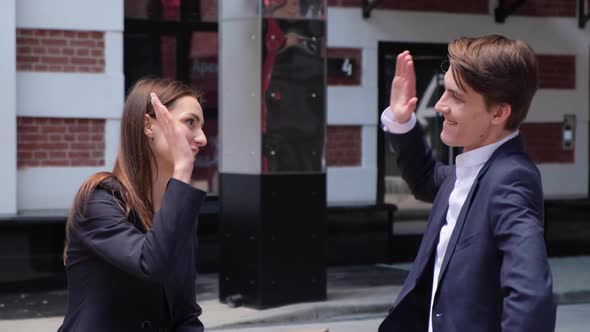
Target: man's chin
[448, 141]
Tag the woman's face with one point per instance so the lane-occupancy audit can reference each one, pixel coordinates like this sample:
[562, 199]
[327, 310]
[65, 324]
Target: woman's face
[187, 114]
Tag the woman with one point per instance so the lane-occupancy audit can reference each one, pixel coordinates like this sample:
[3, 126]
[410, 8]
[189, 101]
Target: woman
[129, 252]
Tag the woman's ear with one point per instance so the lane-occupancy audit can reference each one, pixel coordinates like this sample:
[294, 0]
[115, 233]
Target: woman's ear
[148, 127]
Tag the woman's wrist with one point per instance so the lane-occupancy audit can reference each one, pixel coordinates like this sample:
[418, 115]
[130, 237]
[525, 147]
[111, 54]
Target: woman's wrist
[183, 173]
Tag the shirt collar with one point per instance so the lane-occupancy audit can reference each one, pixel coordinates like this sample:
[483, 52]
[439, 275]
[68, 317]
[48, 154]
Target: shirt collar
[481, 155]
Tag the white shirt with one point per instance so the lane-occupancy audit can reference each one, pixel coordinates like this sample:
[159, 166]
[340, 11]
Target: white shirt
[468, 165]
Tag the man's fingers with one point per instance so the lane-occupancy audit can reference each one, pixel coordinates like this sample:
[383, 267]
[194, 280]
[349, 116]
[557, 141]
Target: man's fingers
[398, 63]
[412, 104]
[411, 76]
[399, 67]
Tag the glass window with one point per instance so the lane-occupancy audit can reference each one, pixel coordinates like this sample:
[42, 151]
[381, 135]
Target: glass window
[293, 88]
[203, 61]
[203, 71]
[153, 9]
[137, 8]
[310, 9]
[148, 54]
[177, 39]
[208, 10]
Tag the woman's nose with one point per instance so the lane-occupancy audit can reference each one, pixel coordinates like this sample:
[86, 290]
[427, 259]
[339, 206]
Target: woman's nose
[201, 139]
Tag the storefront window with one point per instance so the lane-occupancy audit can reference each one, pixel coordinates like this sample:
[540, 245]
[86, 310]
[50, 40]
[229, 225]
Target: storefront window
[204, 65]
[177, 39]
[153, 9]
[295, 9]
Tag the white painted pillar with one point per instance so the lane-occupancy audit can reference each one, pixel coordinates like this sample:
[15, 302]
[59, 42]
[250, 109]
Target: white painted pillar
[8, 99]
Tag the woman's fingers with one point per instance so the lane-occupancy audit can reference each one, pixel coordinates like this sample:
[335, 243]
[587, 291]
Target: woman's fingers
[162, 113]
[177, 142]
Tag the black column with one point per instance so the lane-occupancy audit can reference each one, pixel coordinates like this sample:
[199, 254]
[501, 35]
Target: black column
[273, 194]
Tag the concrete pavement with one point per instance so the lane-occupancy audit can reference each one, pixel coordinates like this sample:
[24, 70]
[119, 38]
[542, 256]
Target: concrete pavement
[361, 291]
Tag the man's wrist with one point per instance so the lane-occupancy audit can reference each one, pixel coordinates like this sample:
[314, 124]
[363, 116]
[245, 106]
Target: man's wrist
[392, 125]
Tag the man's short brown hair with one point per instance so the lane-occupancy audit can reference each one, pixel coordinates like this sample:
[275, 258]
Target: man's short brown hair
[501, 69]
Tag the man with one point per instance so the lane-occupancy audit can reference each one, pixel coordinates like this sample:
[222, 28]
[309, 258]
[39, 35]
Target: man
[482, 263]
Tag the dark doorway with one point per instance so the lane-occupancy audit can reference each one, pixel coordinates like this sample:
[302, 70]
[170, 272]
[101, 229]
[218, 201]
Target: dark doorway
[430, 61]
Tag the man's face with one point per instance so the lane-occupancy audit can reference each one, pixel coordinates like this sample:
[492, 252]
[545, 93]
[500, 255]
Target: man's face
[467, 120]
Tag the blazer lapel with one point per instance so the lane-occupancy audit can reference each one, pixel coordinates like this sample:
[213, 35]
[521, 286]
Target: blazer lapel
[435, 221]
[458, 228]
[511, 146]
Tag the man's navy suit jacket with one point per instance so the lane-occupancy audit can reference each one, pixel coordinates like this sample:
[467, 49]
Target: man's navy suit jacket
[495, 274]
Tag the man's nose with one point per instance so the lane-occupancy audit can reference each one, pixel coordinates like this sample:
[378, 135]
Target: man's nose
[441, 107]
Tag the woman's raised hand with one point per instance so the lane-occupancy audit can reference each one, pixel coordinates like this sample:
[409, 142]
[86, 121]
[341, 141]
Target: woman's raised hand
[180, 149]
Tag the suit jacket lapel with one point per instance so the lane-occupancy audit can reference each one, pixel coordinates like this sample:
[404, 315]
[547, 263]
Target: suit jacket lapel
[458, 228]
[513, 145]
[437, 219]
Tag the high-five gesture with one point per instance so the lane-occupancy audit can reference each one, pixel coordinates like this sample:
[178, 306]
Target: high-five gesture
[180, 150]
[403, 88]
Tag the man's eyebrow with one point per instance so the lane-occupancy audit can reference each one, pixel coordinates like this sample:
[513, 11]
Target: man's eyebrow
[454, 91]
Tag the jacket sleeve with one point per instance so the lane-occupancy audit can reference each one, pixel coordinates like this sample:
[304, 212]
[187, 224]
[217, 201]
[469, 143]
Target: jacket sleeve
[181, 292]
[421, 171]
[190, 322]
[104, 229]
[517, 221]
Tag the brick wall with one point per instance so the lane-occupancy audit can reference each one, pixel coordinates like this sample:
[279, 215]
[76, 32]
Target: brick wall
[529, 8]
[557, 71]
[343, 146]
[544, 140]
[45, 142]
[60, 51]
[544, 143]
[548, 8]
[455, 6]
[60, 142]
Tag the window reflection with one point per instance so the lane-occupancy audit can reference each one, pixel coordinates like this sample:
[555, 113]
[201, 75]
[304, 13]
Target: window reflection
[293, 108]
[153, 9]
[309, 9]
[204, 65]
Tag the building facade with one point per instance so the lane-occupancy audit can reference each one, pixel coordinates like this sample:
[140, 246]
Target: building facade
[66, 67]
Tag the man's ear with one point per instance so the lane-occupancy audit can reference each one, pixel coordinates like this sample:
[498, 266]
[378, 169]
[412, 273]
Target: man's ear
[501, 113]
[148, 127]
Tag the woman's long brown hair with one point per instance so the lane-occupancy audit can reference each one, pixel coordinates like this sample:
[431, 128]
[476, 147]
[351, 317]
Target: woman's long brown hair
[133, 167]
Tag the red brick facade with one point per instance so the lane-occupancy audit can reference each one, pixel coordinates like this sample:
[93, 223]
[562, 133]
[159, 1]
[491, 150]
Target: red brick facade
[343, 146]
[557, 71]
[60, 142]
[548, 8]
[544, 143]
[455, 6]
[566, 8]
[60, 51]
[543, 140]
